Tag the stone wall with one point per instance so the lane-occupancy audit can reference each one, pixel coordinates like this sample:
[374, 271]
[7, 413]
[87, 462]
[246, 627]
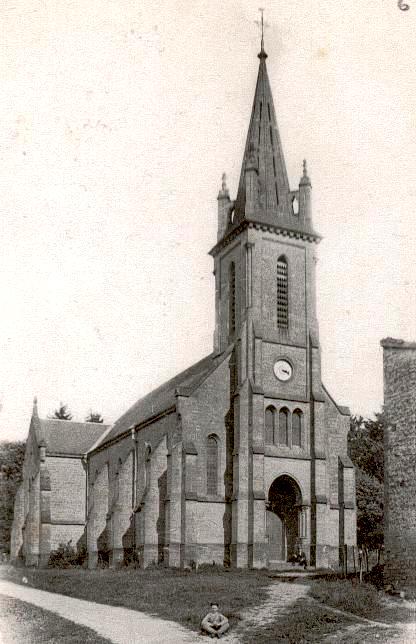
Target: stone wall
[16, 537]
[399, 362]
[128, 504]
[68, 486]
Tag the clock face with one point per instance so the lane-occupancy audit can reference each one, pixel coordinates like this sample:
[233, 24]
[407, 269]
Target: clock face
[283, 370]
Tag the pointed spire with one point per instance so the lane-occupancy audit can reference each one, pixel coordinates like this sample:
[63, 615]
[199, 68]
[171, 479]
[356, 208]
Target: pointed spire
[224, 182]
[305, 196]
[224, 192]
[264, 196]
[35, 407]
[305, 181]
[264, 147]
[224, 205]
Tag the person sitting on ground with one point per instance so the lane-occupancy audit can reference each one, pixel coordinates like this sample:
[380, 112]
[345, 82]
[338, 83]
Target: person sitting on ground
[302, 560]
[214, 623]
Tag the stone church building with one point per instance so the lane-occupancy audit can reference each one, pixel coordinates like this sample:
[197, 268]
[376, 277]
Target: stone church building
[242, 458]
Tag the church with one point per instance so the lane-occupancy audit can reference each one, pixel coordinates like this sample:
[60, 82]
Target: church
[240, 460]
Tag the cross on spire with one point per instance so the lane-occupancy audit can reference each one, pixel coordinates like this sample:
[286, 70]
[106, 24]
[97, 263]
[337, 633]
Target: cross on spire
[262, 26]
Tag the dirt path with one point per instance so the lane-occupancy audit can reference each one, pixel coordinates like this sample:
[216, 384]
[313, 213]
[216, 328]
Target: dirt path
[120, 625]
[281, 596]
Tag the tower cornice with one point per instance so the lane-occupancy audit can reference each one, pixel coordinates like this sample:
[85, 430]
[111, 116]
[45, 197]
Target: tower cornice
[285, 231]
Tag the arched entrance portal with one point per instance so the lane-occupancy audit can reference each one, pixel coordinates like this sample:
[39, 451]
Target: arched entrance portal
[284, 504]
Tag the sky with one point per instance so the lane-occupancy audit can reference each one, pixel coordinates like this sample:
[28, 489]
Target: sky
[117, 120]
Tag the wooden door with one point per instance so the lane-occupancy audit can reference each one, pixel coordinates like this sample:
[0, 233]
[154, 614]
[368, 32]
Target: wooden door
[276, 537]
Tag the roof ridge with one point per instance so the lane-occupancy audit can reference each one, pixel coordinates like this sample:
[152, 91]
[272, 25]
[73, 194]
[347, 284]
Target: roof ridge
[217, 359]
[166, 383]
[158, 400]
[74, 422]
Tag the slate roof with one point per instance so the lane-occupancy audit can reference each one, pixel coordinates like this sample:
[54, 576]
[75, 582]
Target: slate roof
[164, 396]
[68, 437]
[264, 145]
[264, 149]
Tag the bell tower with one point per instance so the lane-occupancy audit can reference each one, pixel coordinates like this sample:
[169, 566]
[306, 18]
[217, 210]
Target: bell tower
[265, 252]
[264, 266]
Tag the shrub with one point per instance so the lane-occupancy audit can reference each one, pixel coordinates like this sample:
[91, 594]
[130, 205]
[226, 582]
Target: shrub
[210, 567]
[66, 556]
[360, 599]
[376, 576]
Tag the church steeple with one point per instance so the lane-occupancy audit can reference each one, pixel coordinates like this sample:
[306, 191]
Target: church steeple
[263, 181]
[264, 197]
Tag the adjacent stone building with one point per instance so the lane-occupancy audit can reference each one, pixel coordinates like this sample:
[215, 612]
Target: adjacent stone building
[50, 504]
[242, 458]
[399, 362]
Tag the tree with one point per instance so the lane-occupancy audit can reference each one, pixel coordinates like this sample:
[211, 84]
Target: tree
[62, 413]
[12, 455]
[365, 443]
[365, 446]
[94, 417]
[369, 511]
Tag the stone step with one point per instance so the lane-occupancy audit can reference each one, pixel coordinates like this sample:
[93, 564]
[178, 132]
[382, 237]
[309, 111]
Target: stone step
[284, 566]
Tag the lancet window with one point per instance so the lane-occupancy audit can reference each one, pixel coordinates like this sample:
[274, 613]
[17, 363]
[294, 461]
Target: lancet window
[297, 428]
[284, 427]
[212, 465]
[270, 425]
[282, 294]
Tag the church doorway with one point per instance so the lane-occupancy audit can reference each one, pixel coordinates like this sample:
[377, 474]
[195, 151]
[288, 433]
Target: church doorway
[283, 518]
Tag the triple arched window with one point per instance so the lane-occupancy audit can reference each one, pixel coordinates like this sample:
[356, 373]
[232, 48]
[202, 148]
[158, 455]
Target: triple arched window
[283, 427]
[212, 465]
[282, 289]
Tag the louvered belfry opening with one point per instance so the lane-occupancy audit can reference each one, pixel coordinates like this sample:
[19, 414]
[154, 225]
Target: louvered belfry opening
[282, 294]
[231, 300]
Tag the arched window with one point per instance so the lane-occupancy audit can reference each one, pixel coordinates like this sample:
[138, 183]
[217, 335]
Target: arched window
[116, 484]
[212, 465]
[282, 294]
[297, 428]
[295, 206]
[269, 422]
[283, 427]
[147, 460]
[231, 299]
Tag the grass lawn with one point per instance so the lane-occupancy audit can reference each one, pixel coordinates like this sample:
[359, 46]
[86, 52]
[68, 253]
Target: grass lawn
[180, 596]
[23, 623]
[362, 599]
[184, 597]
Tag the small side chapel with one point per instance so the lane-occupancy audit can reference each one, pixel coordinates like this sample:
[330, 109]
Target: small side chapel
[242, 458]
